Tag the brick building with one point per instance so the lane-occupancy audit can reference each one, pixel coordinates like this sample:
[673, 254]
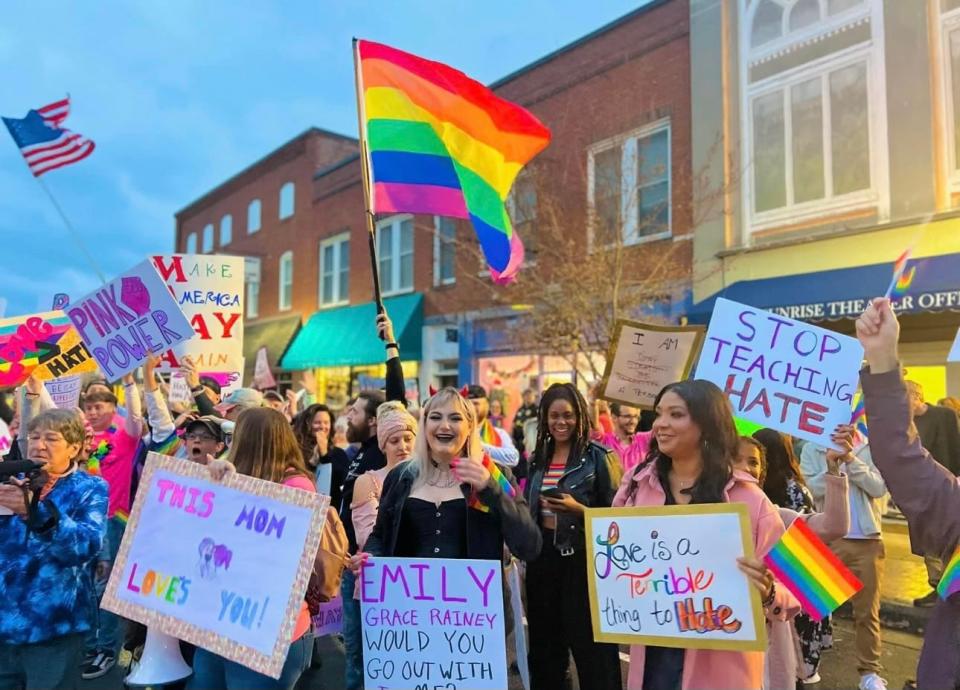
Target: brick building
[618, 104]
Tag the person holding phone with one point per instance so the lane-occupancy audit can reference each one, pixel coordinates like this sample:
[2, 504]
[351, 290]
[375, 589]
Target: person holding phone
[568, 473]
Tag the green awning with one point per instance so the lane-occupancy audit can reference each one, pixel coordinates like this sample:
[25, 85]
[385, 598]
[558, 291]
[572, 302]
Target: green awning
[347, 336]
[274, 334]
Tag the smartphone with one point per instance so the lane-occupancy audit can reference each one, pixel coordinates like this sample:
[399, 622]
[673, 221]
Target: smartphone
[553, 493]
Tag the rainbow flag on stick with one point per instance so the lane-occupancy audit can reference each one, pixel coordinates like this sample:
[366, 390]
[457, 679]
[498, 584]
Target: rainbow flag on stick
[440, 143]
[950, 580]
[902, 279]
[812, 572]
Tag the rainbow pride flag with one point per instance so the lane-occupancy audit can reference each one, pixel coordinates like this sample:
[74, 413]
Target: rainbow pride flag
[489, 435]
[950, 580]
[499, 477]
[902, 278]
[440, 143]
[858, 418]
[811, 571]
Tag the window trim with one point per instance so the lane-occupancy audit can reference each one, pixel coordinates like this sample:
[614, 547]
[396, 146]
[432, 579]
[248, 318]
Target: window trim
[251, 308]
[287, 255]
[334, 241]
[437, 241]
[511, 205]
[629, 194]
[226, 216]
[872, 53]
[387, 284]
[293, 200]
[259, 204]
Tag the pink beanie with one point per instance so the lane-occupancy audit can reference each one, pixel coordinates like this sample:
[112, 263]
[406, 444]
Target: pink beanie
[393, 417]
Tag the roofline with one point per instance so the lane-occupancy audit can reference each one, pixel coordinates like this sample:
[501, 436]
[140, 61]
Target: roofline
[260, 161]
[336, 166]
[578, 42]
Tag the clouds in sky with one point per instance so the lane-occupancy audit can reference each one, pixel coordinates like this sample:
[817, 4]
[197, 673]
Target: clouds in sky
[179, 95]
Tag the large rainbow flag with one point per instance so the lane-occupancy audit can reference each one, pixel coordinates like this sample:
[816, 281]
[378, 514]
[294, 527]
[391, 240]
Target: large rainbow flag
[809, 569]
[440, 143]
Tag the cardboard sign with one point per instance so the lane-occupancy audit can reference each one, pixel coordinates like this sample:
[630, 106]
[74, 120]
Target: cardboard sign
[6, 442]
[125, 321]
[329, 619]
[209, 290]
[644, 358]
[44, 343]
[433, 622]
[180, 391]
[223, 565]
[668, 576]
[65, 392]
[784, 374]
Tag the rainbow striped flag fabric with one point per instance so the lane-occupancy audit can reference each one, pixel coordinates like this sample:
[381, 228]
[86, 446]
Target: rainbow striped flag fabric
[499, 477]
[811, 571]
[950, 580]
[441, 143]
[902, 278]
[489, 435]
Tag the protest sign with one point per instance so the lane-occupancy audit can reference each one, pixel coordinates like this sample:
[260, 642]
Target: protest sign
[45, 344]
[668, 576]
[209, 290]
[65, 391]
[179, 389]
[6, 441]
[780, 373]
[433, 622]
[644, 358]
[229, 381]
[329, 619]
[262, 375]
[222, 565]
[125, 321]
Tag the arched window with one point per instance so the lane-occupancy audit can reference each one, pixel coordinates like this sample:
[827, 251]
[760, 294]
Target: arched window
[226, 230]
[286, 200]
[191, 247]
[253, 216]
[207, 239]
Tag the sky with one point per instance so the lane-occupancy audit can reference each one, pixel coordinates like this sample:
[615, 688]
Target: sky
[180, 95]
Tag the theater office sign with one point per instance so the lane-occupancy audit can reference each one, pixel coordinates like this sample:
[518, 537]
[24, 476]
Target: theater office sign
[852, 308]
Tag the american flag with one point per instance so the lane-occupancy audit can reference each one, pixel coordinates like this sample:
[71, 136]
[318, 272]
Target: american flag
[42, 141]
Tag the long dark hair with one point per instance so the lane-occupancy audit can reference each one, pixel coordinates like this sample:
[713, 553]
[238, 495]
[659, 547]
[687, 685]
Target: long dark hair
[303, 429]
[710, 410]
[782, 465]
[543, 451]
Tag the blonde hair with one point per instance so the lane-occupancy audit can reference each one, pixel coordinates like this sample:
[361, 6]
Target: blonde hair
[422, 455]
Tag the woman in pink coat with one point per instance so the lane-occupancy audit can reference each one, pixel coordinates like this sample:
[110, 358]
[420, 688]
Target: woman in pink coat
[691, 461]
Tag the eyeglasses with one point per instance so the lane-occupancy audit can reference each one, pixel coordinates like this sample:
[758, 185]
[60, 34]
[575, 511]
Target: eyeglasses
[49, 439]
[199, 437]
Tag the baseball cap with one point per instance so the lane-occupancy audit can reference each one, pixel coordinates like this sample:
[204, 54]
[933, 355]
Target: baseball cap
[211, 424]
[241, 397]
[475, 392]
[210, 383]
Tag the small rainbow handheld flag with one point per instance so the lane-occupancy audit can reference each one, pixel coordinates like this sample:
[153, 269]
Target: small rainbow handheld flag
[441, 143]
[858, 418]
[902, 279]
[811, 571]
[499, 477]
[489, 435]
[950, 580]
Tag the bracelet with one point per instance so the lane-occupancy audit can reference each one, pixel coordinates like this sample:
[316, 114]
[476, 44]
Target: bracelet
[393, 345]
[773, 595]
[197, 390]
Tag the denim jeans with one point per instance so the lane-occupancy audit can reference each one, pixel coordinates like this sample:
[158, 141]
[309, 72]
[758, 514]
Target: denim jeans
[49, 665]
[213, 672]
[104, 634]
[352, 633]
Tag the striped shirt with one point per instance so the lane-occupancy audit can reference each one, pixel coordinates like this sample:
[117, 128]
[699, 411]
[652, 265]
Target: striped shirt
[550, 480]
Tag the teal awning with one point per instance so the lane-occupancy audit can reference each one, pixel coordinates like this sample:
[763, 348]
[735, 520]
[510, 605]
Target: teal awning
[347, 336]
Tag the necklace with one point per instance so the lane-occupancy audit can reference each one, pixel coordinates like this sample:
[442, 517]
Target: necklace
[440, 479]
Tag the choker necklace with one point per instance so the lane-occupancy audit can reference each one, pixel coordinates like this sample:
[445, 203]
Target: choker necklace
[441, 479]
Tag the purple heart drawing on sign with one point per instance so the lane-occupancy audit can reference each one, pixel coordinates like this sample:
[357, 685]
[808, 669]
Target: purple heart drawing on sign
[135, 295]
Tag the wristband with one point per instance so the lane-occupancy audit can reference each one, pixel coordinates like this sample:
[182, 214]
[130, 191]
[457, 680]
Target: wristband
[393, 345]
[773, 595]
[197, 390]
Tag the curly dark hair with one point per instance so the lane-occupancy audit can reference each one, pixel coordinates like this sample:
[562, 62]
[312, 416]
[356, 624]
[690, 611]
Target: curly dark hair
[710, 410]
[303, 429]
[782, 465]
[543, 451]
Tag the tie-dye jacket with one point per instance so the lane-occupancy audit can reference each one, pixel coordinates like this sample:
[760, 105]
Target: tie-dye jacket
[46, 587]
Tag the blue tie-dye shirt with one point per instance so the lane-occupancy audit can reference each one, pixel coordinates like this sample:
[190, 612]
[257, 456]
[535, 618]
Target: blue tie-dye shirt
[46, 588]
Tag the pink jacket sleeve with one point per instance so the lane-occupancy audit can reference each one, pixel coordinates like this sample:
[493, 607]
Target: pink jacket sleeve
[364, 507]
[834, 522]
[768, 528]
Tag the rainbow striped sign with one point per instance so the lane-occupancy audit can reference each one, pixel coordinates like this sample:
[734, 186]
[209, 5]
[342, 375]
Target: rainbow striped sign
[811, 571]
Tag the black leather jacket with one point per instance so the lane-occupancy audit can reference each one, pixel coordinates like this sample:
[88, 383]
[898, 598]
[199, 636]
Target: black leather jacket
[591, 479]
[507, 521]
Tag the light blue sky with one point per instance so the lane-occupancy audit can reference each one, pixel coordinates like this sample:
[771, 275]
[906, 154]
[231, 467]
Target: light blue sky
[180, 95]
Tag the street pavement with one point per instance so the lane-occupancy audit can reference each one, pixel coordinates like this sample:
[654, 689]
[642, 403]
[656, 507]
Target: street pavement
[905, 578]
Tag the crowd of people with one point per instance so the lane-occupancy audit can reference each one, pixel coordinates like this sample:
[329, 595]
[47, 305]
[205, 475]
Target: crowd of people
[445, 480]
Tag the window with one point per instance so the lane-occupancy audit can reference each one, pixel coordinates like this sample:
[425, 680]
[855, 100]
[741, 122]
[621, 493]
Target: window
[286, 200]
[191, 243]
[286, 281]
[226, 230]
[208, 238]
[814, 117]
[253, 216]
[253, 298]
[629, 186]
[335, 271]
[951, 71]
[395, 250]
[444, 250]
[522, 206]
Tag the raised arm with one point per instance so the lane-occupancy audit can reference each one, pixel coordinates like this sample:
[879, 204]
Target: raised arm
[133, 424]
[158, 414]
[396, 388]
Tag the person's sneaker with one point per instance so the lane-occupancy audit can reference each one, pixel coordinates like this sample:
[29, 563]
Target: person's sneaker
[872, 681]
[812, 680]
[88, 658]
[927, 601]
[100, 666]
